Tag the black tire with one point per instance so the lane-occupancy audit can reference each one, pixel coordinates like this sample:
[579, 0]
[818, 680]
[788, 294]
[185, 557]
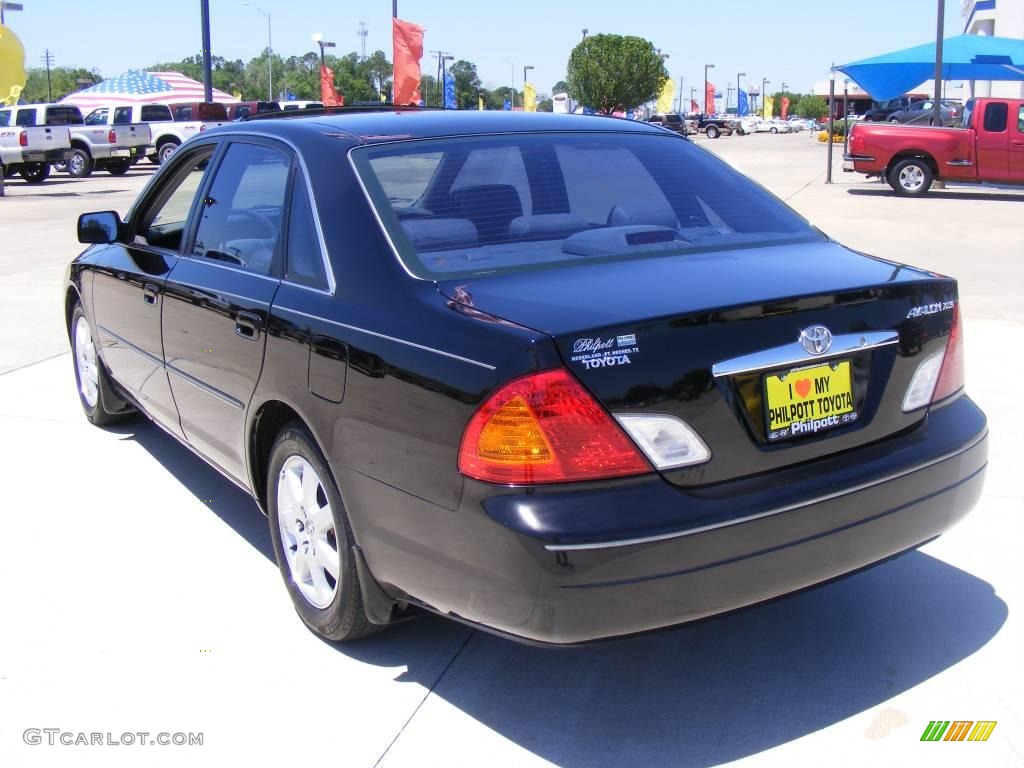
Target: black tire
[118, 167]
[35, 173]
[712, 132]
[773, 130]
[911, 177]
[164, 151]
[153, 159]
[60, 167]
[97, 412]
[894, 119]
[345, 617]
[80, 164]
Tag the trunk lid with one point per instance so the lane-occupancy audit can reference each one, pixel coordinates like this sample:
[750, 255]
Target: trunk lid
[696, 336]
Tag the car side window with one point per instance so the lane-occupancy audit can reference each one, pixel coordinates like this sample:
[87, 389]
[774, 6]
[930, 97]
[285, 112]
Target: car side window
[304, 262]
[155, 113]
[97, 117]
[123, 116]
[241, 216]
[5, 119]
[996, 115]
[1020, 118]
[26, 118]
[162, 222]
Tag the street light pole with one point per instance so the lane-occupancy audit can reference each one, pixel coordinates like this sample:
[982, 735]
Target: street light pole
[204, 12]
[939, 31]
[585, 31]
[706, 68]
[6, 6]
[831, 122]
[681, 94]
[319, 40]
[270, 52]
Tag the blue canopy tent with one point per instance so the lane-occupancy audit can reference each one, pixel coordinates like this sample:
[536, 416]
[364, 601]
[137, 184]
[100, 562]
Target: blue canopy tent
[967, 57]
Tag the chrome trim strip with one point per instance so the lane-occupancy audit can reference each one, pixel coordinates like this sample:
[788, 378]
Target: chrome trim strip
[191, 379]
[855, 158]
[441, 352]
[960, 163]
[220, 265]
[778, 511]
[795, 354]
[205, 387]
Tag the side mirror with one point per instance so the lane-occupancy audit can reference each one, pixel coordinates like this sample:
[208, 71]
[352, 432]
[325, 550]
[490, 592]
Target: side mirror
[99, 228]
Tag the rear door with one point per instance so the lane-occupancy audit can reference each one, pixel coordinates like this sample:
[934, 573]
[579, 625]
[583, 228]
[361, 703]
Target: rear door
[1016, 155]
[994, 141]
[219, 297]
[128, 286]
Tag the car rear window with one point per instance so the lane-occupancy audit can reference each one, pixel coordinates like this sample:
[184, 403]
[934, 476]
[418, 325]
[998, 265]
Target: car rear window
[479, 205]
[64, 116]
[5, 119]
[155, 113]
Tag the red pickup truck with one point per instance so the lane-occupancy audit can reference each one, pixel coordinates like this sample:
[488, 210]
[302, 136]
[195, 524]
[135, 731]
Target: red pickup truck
[988, 147]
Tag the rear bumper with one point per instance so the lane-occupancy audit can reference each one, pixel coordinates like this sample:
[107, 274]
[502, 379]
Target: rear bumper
[47, 156]
[545, 567]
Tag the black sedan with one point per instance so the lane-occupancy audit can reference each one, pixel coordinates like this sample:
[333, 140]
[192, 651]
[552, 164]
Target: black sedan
[563, 378]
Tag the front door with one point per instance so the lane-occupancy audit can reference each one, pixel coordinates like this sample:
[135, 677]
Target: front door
[219, 296]
[993, 142]
[1016, 156]
[128, 290]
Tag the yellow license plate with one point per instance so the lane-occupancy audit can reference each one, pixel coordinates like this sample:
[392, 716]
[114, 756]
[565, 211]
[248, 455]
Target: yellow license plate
[808, 400]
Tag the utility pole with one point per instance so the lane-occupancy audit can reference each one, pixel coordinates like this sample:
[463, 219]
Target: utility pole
[204, 8]
[937, 96]
[680, 110]
[47, 59]
[362, 33]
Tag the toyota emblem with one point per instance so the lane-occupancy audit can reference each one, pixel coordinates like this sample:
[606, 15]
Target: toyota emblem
[817, 339]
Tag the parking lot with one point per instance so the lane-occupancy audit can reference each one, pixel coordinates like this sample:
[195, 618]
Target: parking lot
[140, 592]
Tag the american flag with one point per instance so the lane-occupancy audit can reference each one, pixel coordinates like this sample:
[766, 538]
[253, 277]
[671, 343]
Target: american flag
[138, 87]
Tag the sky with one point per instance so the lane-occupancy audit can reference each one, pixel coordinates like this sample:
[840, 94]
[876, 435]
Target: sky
[791, 41]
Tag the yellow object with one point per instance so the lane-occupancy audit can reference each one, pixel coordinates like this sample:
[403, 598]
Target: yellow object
[529, 98]
[809, 399]
[12, 66]
[668, 93]
[513, 436]
[480, 103]
[769, 107]
[237, 94]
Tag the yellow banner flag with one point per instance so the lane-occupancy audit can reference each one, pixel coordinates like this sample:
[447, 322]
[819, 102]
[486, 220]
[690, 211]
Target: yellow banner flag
[480, 103]
[237, 94]
[12, 67]
[529, 98]
[668, 93]
[769, 107]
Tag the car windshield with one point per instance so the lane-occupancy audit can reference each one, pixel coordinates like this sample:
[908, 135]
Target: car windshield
[479, 205]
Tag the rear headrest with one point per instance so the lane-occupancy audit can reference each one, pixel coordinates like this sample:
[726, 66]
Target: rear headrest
[642, 213]
[546, 225]
[440, 234]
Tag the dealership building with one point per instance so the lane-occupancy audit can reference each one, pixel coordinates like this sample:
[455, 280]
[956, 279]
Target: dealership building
[995, 18]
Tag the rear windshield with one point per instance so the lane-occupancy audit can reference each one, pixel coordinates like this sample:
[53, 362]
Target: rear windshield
[64, 116]
[152, 113]
[471, 206]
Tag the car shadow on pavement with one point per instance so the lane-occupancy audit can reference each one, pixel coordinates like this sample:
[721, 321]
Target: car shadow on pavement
[946, 194]
[699, 695]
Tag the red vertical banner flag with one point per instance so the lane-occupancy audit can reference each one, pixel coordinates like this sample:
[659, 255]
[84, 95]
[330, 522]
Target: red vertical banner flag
[785, 107]
[709, 99]
[408, 50]
[694, 106]
[328, 94]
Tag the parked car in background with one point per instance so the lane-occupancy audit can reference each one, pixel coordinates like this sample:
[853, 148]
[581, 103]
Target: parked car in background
[618, 390]
[714, 126]
[988, 146]
[30, 150]
[800, 123]
[921, 112]
[244, 109]
[289, 106]
[745, 125]
[93, 146]
[883, 109]
[675, 122]
[165, 134]
[773, 125]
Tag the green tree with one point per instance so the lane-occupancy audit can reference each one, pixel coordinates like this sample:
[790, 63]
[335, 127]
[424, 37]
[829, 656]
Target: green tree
[495, 99]
[545, 105]
[560, 87]
[63, 80]
[615, 72]
[377, 71]
[467, 83]
[811, 107]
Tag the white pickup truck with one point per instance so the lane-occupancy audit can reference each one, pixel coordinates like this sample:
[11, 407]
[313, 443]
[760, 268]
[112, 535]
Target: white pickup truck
[167, 129]
[30, 150]
[92, 146]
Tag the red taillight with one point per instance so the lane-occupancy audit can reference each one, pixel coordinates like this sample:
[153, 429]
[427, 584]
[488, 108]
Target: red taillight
[23, 139]
[112, 136]
[546, 428]
[951, 377]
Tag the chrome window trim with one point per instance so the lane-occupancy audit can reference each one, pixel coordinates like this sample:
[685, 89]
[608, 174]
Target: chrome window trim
[452, 355]
[795, 354]
[332, 285]
[777, 511]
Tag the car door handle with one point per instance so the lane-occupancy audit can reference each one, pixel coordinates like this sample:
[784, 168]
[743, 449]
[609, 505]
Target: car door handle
[150, 294]
[247, 325]
[1017, 143]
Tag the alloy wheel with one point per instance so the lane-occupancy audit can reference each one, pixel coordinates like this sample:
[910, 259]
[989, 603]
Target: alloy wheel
[86, 364]
[308, 535]
[911, 178]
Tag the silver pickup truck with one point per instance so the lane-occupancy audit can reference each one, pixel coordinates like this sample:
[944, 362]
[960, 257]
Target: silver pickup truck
[111, 149]
[169, 125]
[30, 150]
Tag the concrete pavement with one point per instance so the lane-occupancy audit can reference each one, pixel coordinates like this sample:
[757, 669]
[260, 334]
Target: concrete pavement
[140, 592]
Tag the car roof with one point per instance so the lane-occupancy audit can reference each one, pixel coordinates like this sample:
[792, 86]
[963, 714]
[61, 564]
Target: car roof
[400, 124]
